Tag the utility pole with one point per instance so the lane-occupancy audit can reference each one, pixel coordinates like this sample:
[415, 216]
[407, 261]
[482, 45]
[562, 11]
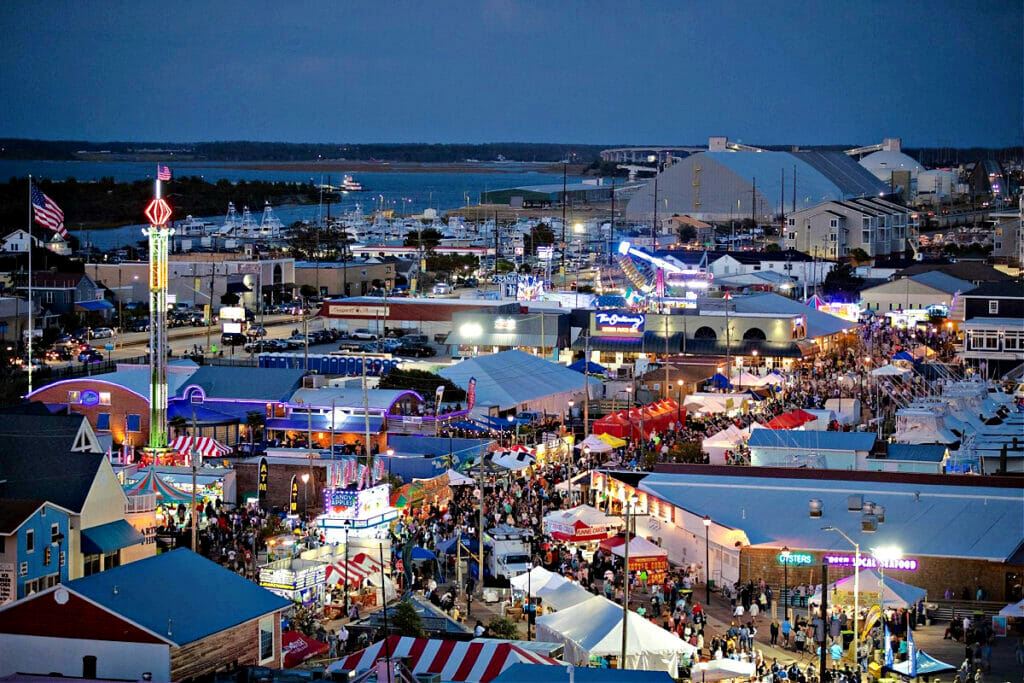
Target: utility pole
[195, 465]
[209, 313]
[654, 224]
[366, 414]
[565, 199]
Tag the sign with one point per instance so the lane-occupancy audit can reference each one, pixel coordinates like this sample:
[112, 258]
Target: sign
[232, 328]
[158, 212]
[471, 394]
[353, 311]
[89, 398]
[620, 321]
[796, 559]
[906, 564]
[346, 503]
[264, 478]
[7, 586]
[232, 313]
[293, 500]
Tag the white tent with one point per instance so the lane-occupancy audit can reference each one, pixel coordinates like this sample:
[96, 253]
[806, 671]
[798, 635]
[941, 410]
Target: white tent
[580, 481]
[640, 547]
[723, 669]
[717, 444]
[594, 444]
[847, 410]
[897, 593]
[537, 579]
[563, 597]
[772, 378]
[458, 479]
[824, 418]
[1014, 610]
[889, 370]
[580, 524]
[746, 379]
[594, 628]
[708, 402]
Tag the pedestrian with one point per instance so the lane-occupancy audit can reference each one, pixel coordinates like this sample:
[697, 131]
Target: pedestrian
[342, 639]
[773, 630]
[787, 628]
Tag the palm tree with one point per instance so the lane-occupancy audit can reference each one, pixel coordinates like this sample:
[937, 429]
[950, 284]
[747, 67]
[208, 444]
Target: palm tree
[178, 424]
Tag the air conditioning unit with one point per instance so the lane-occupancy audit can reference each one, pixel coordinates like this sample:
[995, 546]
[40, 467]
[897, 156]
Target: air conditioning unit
[815, 507]
[868, 524]
[854, 503]
[314, 382]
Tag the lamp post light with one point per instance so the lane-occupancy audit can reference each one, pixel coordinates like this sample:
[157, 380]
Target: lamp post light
[884, 555]
[630, 503]
[512, 435]
[785, 581]
[856, 594]
[568, 420]
[305, 493]
[679, 401]
[707, 560]
[529, 597]
[347, 524]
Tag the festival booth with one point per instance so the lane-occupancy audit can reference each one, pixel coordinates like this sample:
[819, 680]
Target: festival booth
[367, 584]
[897, 593]
[726, 440]
[593, 630]
[298, 647]
[643, 556]
[658, 416]
[204, 446]
[1015, 610]
[581, 524]
[301, 581]
[612, 441]
[794, 419]
[709, 403]
[822, 419]
[923, 665]
[722, 670]
[594, 444]
[890, 371]
[434, 491]
[448, 660]
[537, 579]
[614, 424]
[355, 502]
[847, 410]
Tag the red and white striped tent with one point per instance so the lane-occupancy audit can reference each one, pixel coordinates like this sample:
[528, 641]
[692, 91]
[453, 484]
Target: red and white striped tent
[360, 568]
[454, 660]
[206, 446]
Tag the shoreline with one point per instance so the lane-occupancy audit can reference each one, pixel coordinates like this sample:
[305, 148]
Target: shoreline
[341, 166]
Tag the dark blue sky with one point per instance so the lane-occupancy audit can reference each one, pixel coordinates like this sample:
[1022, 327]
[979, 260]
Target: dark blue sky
[934, 73]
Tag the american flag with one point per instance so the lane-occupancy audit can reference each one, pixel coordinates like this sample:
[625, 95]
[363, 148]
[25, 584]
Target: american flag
[47, 212]
[163, 172]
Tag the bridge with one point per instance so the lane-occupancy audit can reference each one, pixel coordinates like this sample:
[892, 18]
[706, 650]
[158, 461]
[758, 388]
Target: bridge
[632, 155]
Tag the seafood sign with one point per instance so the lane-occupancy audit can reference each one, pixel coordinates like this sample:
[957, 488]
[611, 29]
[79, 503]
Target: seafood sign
[619, 321]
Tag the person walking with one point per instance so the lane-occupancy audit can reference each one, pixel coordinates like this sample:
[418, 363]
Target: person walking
[787, 628]
[773, 631]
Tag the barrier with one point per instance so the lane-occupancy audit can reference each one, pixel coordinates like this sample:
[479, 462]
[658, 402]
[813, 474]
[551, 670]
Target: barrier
[325, 364]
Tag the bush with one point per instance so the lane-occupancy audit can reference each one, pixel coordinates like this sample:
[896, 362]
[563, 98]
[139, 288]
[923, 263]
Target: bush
[407, 620]
[502, 627]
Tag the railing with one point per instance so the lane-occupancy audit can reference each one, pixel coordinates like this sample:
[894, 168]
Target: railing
[142, 502]
[425, 424]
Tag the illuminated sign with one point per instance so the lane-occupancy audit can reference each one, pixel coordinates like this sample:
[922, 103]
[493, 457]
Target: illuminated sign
[293, 499]
[232, 313]
[264, 478]
[620, 321]
[347, 503]
[796, 559]
[906, 564]
[89, 398]
[158, 212]
[508, 324]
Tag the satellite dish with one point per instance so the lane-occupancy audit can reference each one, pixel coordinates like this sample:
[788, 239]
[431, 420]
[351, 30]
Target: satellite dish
[62, 596]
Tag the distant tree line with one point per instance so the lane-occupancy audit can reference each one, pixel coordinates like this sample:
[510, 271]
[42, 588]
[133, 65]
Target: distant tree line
[106, 202]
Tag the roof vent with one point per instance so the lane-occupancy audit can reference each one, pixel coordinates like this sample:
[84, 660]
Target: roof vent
[854, 503]
[879, 513]
[814, 507]
[868, 524]
[868, 508]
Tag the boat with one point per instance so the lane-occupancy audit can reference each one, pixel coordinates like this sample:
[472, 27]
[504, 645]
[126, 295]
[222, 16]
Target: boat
[350, 184]
[193, 227]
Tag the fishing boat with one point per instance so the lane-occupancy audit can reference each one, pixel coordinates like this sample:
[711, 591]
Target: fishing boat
[350, 184]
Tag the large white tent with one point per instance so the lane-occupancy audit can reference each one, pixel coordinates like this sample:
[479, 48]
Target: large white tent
[726, 440]
[1014, 610]
[537, 579]
[897, 593]
[723, 669]
[567, 595]
[580, 524]
[709, 403]
[594, 629]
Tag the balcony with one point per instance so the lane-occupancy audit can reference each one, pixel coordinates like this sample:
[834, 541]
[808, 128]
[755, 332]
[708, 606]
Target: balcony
[143, 502]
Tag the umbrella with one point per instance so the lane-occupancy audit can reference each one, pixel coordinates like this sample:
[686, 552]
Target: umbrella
[720, 381]
[422, 554]
[298, 647]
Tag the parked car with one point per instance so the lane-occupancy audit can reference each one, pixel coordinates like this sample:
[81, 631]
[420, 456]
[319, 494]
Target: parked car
[102, 333]
[256, 331]
[363, 334]
[442, 288]
[139, 325]
[90, 356]
[415, 351]
[351, 345]
[415, 339]
[232, 339]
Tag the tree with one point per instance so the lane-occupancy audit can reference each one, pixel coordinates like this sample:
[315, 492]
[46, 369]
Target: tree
[407, 621]
[503, 628]
[422, 382]
[427, 239]
[858, 255]
[308, 291]
[254, 419]
[687, 233]
[772, 246]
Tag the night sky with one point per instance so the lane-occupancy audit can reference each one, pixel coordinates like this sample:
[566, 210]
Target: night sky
[943, 73]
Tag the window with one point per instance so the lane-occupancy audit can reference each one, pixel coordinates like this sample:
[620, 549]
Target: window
[993, 306]
[999, 245]
[74, 397]
[834, 223]
[133, 423]
[1013, 341]
[266, 639]
[791, 221]
[832, 237]
[54, 532]
[792, 237]
[865, 236]
[103, 422]
[3, 545]
[48, 297]
[104, 398]
[91, 565]
[985, 341]
[112, 560]
[30, 541]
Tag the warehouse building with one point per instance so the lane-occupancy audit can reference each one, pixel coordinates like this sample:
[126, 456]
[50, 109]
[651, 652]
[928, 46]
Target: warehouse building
[726, 185]
[542, 196]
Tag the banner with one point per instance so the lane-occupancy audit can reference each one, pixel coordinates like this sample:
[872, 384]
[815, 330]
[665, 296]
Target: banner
[264, 477]
[439, 394]
[293, 501]
[471, 394]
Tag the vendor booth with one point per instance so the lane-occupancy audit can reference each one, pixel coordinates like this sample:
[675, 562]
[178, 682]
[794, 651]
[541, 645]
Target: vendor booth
[594, 444]
[897, 593]
[710, 403]
[726, 440]
[794, 419]
[537, 579]
[581, 524]
[298, 580]
[643, 556]
[723, 670]
[593, 629]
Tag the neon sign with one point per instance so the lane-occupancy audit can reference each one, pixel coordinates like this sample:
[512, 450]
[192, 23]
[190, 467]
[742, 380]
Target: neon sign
[158, 212]
[620, 321]
[798, 559]
[89, 398]
[906, 564]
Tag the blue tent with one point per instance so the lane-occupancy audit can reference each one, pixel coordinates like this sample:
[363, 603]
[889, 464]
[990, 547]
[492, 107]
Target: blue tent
[469, 426]
[926, 666]
[448, 547]
[422, 554]
[583, 366]
[720, 381]
[903, 355]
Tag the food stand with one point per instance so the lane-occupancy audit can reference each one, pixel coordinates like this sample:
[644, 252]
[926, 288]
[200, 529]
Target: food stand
[295, 579]
[643, 556]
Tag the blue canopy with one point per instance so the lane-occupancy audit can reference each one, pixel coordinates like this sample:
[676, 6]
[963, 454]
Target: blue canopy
[611, 301]
[469, 426]
[106, 538]
[448, 547]
[583, 366]
[926, 666]
[720, 381]
[422, 554]
[903, 355]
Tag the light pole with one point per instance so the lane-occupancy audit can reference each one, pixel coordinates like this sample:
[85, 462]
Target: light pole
[630, 502]
[707, 560]
[883, 555]
[512, 435]
[785, 581]
[568, 420]
[856, 594]
[346, 523]
[305, 493]
[679, 401]
[529, 597]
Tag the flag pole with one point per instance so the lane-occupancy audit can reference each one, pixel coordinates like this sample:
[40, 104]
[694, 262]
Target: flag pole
[30, 331]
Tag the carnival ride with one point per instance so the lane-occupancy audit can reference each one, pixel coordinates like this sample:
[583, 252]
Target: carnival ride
[662, 278]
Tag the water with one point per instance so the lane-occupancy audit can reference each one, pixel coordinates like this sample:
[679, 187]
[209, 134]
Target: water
[406, 192]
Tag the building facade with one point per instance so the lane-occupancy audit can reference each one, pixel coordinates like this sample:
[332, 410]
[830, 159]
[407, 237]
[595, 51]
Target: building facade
[350, 278]
[994, 325]
[33, 551]
[833, 229]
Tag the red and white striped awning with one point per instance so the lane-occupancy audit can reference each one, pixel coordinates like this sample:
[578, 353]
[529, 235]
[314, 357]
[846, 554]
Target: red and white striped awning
[360, 568]
[454, 660]
[206, 446]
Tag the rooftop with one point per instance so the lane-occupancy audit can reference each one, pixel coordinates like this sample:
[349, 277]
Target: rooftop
[916, 452]
[510, 378]
[1013, 289]
[943, 282]
[811, 440]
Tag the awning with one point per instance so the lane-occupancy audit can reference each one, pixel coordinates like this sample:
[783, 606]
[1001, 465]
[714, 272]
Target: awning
[98, 305]
[298, 647]
[203, 416]
[352, 424]
[107, 538]
[610, 344]
[205, 446]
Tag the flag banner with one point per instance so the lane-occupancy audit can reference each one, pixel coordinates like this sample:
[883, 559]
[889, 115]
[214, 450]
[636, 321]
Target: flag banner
[47, 213]
[163, 172]
[471, 394]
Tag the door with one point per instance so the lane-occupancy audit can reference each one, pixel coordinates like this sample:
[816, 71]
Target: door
[1014, 593]
[89, 666]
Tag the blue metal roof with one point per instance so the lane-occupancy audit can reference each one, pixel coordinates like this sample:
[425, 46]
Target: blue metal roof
[543, 673]
[261, 384]
[499, 378]
[924, 452]
[179, 595]
[95, 305]
[976, 522]
[355, 424]
[819, 324]
[811, 440]
[106, 538]
[936, 279]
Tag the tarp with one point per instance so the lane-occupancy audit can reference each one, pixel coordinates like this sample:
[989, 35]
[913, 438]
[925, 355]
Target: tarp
[926, 666]
[791, 420]
[582, 366]
[567, 595]
[889, 371]
[458, 479]
[720, 381]
[536, 579]
[455, 661]
[594, 628]
[722, 669]
[1014, 610]
[594, 444]
[298, 647]
[897, 593]
[580, 524]
[711, 403]
[904, 355]
[612, 441]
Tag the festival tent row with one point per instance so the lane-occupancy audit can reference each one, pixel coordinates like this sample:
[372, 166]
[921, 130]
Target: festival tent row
[897, 593]
[643, 556]
[459, 662]
[151, 482]
[581, 524]
[554, 590]
[631, 423]
[594, 629]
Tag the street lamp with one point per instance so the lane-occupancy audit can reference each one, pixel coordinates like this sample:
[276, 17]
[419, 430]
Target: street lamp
[305, 493]
[785, 581]
[512, 436]
[886, 554]
[347, 523]
[630, 502]
[707, 560]
[856, 594]
[679, 402]
[570, 404]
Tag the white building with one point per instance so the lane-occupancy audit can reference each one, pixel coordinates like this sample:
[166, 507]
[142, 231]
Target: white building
[17, 243]
[833, 229]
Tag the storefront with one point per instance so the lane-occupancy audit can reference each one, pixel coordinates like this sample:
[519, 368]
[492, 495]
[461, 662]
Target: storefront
[350, 511]
[302, 581]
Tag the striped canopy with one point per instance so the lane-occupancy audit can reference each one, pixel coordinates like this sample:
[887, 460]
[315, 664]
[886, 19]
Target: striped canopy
[206, 446]
[456, 661]
[360, 568]
[151, 482]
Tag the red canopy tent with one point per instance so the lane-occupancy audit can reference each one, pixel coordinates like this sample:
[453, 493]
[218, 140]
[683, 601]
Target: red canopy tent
[298, 647]
[791, 420]
[615, 424]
